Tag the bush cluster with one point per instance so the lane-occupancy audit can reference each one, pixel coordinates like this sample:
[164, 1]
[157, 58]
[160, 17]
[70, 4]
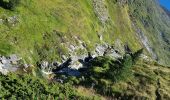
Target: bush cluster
[107, 68]
[27, 87]
[105, 71]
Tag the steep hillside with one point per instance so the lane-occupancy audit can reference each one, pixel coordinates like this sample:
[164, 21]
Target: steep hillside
[153, 27]
[84, 49]
[24, 28]
[145, 80]
[90, 21]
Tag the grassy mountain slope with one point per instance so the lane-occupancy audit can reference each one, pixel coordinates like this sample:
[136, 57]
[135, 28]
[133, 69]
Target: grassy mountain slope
[69, 18]
[38, 30]
[82, 19]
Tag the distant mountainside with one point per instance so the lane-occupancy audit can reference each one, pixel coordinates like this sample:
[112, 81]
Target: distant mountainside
[47, 37]
[166, 10]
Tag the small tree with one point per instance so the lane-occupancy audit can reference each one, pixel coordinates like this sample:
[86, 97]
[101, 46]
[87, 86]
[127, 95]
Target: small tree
[136, 55]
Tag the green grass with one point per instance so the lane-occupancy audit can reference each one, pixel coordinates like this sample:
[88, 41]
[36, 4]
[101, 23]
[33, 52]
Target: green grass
[71, 18]
[77, 18]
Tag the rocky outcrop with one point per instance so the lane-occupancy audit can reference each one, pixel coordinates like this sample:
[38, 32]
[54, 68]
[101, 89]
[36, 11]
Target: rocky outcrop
[122, 2]
[143, 38]
[101, 10]
[12, 20]
[9, 64]
[76, 63]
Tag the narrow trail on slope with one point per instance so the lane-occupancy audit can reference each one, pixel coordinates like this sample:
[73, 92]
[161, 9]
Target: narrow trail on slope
[157, 93]
[164, 69]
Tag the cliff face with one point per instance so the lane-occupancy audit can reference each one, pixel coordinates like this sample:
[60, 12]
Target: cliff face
[38, 30]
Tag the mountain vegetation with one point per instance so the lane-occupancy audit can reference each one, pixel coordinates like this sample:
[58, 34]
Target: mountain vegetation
[84, 50]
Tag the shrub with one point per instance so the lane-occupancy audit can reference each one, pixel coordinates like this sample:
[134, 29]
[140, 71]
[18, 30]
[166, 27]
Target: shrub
[9, 4]
[104, 71]
[28, 87]
[107, 68]
[136, 55]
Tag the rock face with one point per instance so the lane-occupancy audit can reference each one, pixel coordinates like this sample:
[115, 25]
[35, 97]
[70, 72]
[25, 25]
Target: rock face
[101, 10]
[9, 64]
[122, 2]
[71, 65]
[13, 20]
[114, 54]
[100, 49]
[143, 38]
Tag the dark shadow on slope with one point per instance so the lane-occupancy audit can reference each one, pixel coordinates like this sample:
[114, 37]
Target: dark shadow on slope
[10, 5]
